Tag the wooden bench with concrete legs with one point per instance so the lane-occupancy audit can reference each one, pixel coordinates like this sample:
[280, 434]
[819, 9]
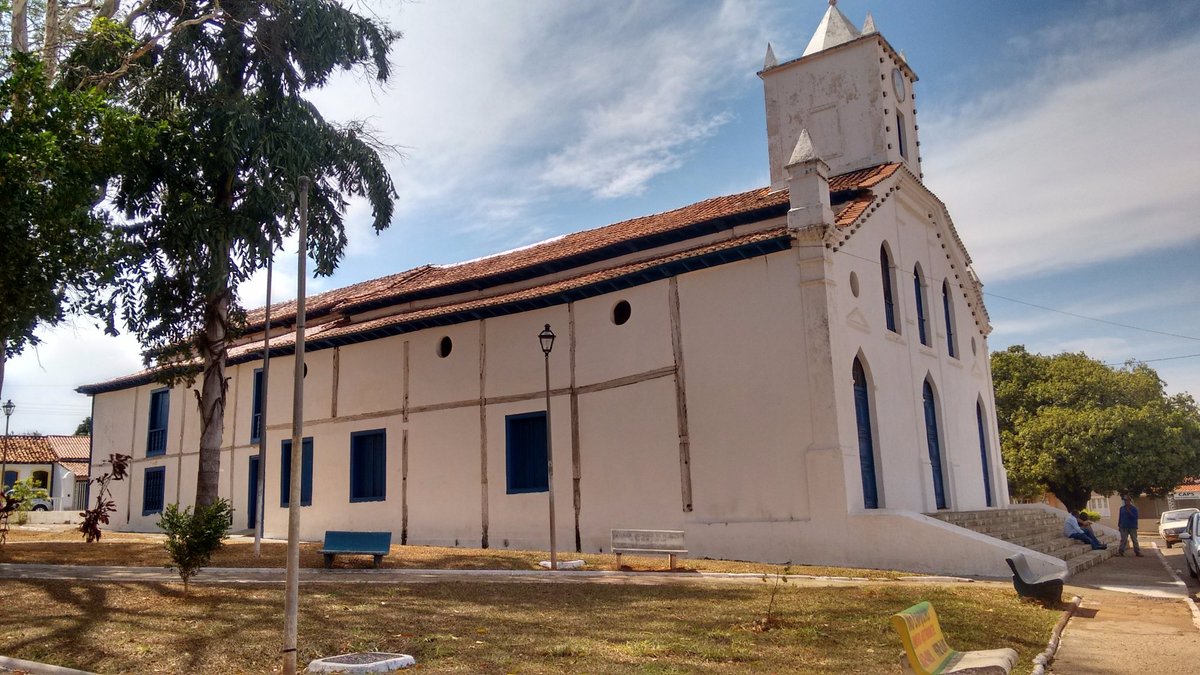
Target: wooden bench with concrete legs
[663, 542]
[926, 651]
[374, 544]
[1047, 588]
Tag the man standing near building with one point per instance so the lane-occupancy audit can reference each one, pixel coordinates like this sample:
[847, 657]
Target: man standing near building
[1127, 521]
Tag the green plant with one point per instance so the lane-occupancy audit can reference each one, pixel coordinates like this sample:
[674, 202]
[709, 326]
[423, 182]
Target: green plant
[192, 538]
[1092, 516]
[23, 493]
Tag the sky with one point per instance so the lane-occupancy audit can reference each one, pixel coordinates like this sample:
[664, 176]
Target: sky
[1062, 137]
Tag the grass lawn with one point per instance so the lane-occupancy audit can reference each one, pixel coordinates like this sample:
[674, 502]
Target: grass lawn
[503, 627]
[63, 548]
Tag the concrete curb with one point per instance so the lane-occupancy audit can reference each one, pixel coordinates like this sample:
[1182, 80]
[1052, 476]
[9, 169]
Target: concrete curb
[1187, 597]
[38, 668]
[1043, 660]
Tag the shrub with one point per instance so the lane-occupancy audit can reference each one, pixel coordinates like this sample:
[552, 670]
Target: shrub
[1090, 515]
[23, 492]
[193, 538]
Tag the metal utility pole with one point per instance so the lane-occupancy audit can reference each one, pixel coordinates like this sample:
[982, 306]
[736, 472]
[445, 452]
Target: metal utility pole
[292, 600]
[260, 497]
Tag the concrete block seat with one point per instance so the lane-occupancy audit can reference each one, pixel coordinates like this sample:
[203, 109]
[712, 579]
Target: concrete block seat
[1046, 587]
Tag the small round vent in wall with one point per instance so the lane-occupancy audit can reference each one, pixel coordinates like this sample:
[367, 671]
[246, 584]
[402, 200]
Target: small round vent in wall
[444, 346]
[621, 312]
[854, 284]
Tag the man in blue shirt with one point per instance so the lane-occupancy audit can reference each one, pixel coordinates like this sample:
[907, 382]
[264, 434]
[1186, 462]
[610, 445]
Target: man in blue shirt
[1072, 529]
[1127, 521]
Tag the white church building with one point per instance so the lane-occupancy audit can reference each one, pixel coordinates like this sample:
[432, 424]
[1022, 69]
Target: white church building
[799, 372]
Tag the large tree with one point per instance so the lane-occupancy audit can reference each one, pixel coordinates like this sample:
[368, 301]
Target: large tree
[58, 145]
[1071, 425]
[214, 200]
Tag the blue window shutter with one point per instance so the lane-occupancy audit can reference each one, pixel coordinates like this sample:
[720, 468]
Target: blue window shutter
[368, 466]
[918, 293]
[252, 493]
[525, 452]
[306, 472]
[935, 449]
[256, 415]
[156, 433]
[866, 445]
[950, 341]
[153, 489]
[889, 308]
[285, 472]
[983, 456]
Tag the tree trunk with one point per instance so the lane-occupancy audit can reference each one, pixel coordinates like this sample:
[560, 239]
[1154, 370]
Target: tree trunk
[1073, 497]
[51, 40]
[20, 25]
[213, 348]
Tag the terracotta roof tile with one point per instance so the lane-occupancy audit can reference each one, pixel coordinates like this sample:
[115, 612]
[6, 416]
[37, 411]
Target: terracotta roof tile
[80, 469]
[27, 450]
[71, 447]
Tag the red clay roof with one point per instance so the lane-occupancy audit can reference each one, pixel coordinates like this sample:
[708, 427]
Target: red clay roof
[71, 447]
[80, 469]
[850, 190]
[27, 450]
[430, 277]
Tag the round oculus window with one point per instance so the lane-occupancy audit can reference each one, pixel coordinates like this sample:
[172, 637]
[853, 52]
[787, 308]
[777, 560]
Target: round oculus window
[898, 84]
[445, 345]
[854, 284]
[621, 313]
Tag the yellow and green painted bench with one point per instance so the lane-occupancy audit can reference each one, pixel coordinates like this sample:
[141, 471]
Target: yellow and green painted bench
[926, 651]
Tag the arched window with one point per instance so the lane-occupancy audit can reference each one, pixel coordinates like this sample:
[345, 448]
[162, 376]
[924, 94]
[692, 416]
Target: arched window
[948, 310]
[889, 305]
[919, 294]
[983, 455]
[41, 479]
[933, 442]
[866, 442]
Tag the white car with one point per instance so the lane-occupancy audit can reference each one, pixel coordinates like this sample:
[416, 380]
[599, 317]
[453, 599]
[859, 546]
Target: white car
[1190, 538]
[1173, 523]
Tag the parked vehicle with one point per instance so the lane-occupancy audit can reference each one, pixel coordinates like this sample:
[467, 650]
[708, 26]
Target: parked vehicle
[1190, 538]
[1173, 523]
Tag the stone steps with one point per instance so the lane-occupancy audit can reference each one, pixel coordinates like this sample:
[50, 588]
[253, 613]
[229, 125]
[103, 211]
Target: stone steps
[1033, 529]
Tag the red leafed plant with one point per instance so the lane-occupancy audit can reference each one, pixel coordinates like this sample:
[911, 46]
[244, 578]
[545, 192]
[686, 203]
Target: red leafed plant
[96, 516]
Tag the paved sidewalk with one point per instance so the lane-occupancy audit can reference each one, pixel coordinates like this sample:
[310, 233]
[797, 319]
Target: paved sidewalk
[1134, 619]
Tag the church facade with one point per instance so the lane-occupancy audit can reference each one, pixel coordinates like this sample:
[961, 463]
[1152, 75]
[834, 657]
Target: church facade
[798, 372]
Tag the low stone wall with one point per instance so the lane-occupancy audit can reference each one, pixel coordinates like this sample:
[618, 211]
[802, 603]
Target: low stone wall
[52, 518]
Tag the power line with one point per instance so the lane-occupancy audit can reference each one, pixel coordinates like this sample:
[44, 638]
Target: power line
[1165, 358]
[1092, 318]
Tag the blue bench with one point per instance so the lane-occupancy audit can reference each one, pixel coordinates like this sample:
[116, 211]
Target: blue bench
[375, 544]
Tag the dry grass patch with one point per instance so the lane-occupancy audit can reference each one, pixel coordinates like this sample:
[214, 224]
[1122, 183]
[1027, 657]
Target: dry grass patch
[500, 628]
[147, 551]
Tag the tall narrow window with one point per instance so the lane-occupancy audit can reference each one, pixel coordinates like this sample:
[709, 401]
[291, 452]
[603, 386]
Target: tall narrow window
[525, 452]
[306, 471]
[156, 436]
[154, 486]
[41, 479]
[933, 442]
[368, 466]
[866, 442]
[256, 415]
[900, 135]
[10, 479]
[948, 310]
[889, 305]
[919, 294]
[983, 456]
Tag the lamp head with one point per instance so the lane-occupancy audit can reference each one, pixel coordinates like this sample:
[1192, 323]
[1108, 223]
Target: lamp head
[9, 407]
[546, 337]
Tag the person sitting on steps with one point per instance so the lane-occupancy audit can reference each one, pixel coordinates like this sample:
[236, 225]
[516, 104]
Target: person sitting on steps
[1072, 529]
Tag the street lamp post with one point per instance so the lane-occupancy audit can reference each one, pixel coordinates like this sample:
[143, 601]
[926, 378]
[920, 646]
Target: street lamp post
[9, 407]
[546, 337]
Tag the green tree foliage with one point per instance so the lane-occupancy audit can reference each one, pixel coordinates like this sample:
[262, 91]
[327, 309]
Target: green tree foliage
[85, 427]
[193, 538]
[215, 198]
[58, 146]
[1071, 425]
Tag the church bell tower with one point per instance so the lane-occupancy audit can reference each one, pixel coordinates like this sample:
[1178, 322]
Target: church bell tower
[851, 91]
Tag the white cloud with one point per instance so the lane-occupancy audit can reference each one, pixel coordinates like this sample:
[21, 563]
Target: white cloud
[1096, 162]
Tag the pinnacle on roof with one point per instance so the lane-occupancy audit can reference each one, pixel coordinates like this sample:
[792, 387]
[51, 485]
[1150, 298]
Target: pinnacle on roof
[869, 25]
[833, 30]
[770, 61]
[804, 150]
